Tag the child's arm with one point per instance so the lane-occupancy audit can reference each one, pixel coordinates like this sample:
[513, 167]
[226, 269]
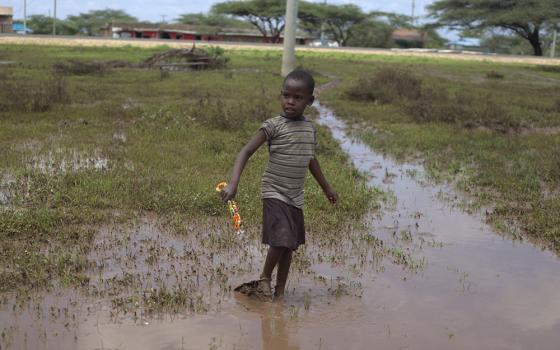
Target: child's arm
[315, 169]
[231, 189]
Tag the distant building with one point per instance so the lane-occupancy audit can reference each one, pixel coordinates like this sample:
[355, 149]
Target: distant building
[6, 19]
[409, 38]
[188, 32]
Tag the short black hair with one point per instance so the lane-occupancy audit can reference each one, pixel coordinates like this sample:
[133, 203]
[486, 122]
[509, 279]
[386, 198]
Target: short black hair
[302, 75]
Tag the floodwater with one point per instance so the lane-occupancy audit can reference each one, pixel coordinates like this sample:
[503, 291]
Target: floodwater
[440, 279]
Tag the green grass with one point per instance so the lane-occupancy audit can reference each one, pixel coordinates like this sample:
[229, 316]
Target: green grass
[160, 143]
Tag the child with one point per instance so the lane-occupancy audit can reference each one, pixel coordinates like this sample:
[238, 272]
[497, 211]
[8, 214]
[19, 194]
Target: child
[291, 144]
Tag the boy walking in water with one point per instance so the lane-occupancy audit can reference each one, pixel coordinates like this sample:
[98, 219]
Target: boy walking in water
[292, 141]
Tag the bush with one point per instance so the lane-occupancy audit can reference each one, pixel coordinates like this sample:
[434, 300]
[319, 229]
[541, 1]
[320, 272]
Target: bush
[494, 75]
[387, 85]
[425, 104]
[33, 96]
[549, 68]
[74, 67]
[224, 114]
[219, 56]
[467, 110]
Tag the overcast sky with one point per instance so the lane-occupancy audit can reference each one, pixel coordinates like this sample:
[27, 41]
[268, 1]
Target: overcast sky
[153, 10]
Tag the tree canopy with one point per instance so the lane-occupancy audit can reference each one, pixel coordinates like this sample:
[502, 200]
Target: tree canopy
[212, 20]
[339, 21]
[266, 15]
[89, 23]
[40, 24]
[525, 18]
[371, 33]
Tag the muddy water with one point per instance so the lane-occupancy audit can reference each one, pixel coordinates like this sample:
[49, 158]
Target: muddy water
[478, 289]
[440, 279]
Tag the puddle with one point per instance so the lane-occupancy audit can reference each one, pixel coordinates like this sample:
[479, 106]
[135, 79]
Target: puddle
[7, 180]
[58, 162]
[427, 276]
[481, 289]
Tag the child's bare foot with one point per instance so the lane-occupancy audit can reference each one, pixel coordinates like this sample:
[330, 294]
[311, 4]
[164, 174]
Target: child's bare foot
[263, 288]
[278, 295]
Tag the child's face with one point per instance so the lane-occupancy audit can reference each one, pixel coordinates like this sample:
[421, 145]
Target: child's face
[295, 96]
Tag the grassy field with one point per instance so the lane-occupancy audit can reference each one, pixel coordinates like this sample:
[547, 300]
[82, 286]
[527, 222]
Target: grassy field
[79, 149]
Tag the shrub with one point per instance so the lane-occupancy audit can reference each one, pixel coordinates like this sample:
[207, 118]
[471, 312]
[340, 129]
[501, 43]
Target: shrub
[464, 109]
[33, 96]
[224, 114]
[549, 68]
[387, 85]
[494, 75]
[75, 67]
[423, 104]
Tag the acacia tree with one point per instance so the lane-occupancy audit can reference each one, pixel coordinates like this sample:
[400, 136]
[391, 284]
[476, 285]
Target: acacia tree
[339, 20]
[90, 22]
[211, 19]
[266, 15]
[525, 18]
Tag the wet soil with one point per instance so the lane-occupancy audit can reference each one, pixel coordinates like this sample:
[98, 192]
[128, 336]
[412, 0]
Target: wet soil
[427, 274]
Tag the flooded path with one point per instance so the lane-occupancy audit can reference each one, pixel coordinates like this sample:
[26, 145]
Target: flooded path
[480, 289]
[431, 277]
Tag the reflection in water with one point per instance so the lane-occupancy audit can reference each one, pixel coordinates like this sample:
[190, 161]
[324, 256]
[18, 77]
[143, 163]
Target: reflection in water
[274, 330]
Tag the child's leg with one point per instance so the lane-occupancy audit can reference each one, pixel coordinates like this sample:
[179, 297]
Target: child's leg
[272, 258]
[282, 273]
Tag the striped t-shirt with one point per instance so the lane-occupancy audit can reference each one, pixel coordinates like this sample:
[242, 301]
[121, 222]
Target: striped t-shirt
[291, 145]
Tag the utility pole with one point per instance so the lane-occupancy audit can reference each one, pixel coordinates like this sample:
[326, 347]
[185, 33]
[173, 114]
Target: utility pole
[54, 20]
[323, 36]
[553, 47]
[289, 55]
[24, 16]
[163, 19]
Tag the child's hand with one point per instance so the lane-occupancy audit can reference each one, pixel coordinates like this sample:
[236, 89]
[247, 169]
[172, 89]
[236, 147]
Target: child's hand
[331, 195]
[228, 192]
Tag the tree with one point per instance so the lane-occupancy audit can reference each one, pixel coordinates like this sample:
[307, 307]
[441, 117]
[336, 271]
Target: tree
[371, 33]
[266, 15]
[525, 18]
[90, 23]
[339, 20]
[395, 20]
[505, 44]
[40, 24]
[433, 39]
[212, 20]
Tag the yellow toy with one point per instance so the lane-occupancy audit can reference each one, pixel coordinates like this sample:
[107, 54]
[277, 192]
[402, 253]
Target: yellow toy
[233, 209]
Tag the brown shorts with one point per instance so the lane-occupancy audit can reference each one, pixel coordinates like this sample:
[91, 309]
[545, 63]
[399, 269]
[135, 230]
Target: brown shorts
[283, 224]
